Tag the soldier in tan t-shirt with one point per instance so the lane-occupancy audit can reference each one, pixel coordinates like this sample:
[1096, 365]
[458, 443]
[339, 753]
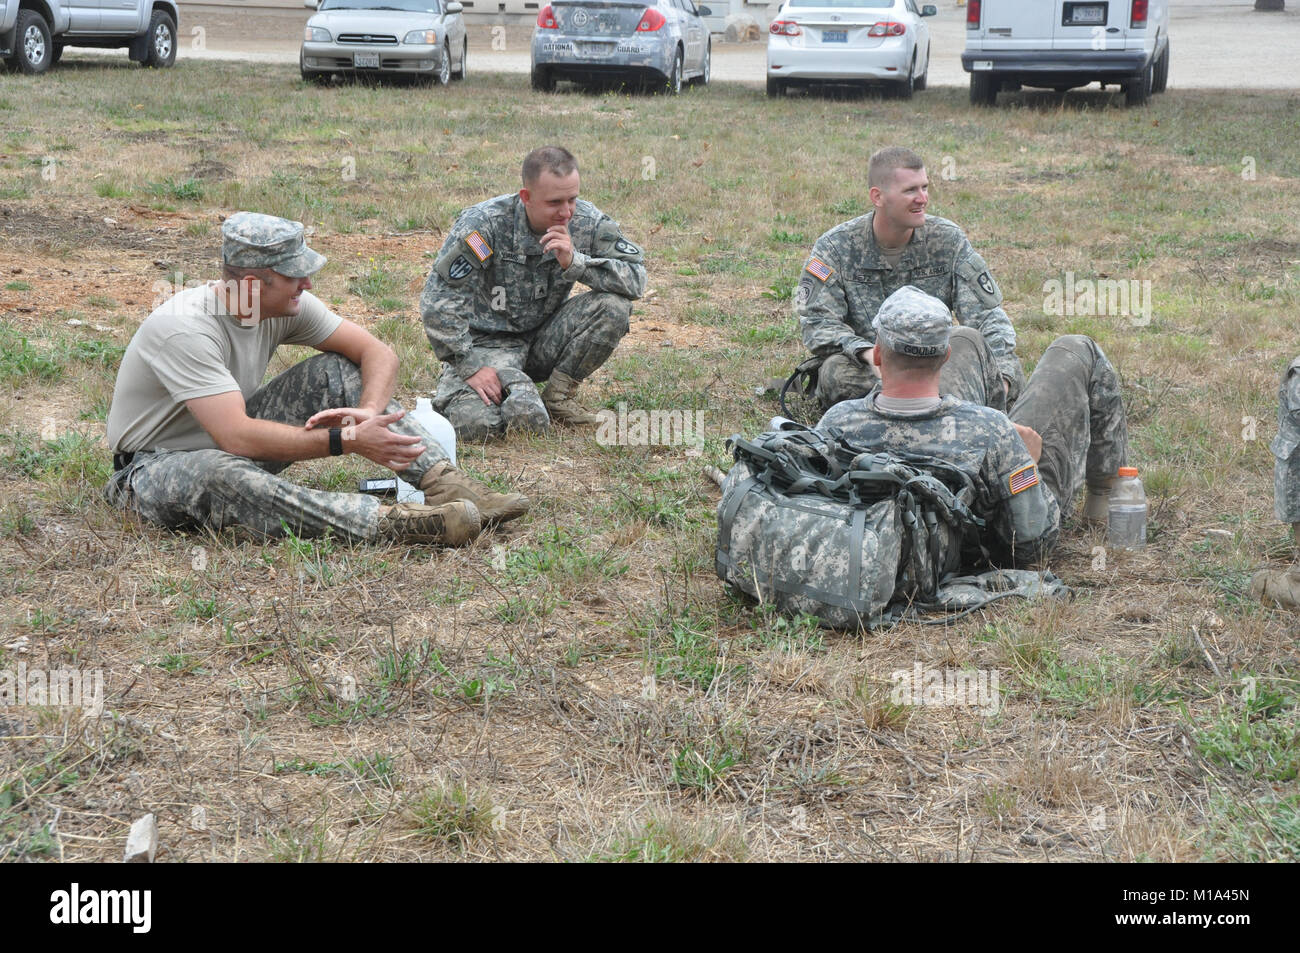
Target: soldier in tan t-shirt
[197, 438]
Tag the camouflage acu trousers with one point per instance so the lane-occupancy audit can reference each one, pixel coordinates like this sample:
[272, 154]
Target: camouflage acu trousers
[212, 488]
[1286, 461]
[576, 340]
[970, 373]
[1073, 400]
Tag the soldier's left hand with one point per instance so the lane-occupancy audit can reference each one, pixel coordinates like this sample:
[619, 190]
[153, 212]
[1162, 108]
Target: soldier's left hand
[338, 417]
[558, 240]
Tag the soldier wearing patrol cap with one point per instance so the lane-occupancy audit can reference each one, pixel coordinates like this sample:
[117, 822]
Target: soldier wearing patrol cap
[197, 438]
[497, 309]
[1067, 428]
[855, 266]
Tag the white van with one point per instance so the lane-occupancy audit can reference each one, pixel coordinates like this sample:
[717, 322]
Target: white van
[1063, 44]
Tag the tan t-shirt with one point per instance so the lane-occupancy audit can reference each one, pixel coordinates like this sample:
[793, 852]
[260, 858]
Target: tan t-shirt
[191, 347]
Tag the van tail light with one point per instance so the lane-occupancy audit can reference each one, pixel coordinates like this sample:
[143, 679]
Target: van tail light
[972, 14]
[1139, 17]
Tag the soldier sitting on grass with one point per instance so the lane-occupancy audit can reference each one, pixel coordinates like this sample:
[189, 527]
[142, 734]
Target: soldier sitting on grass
[198, 439]
[1067, 428]
[497, 309]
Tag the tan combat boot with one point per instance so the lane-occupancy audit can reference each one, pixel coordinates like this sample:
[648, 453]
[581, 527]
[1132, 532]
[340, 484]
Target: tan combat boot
[560, 398]
[1277, 587]
[443, 483]
[452, 524]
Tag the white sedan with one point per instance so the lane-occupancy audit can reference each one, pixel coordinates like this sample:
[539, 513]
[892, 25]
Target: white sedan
[849, 41]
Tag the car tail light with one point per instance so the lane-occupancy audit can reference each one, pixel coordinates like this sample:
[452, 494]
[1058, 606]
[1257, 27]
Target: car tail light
[887, 28]
[546, 19]
[1139, 18]
[784, 28]
[651, 20]
[972, 14]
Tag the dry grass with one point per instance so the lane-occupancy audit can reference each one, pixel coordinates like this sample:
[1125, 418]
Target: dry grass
[578, 686]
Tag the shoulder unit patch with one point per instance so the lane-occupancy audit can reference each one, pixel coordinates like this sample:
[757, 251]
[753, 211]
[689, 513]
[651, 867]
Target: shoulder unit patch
[985, 281]
[625, 247]
[460, 268]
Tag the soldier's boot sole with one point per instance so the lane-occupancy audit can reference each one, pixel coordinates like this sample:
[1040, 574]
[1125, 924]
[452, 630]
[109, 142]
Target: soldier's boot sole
[1277, 587]
[445, 484]
[451, 524]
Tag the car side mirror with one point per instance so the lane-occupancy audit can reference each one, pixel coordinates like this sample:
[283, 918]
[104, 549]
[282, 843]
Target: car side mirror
[929, 10]
[705, 12]
[310, 4]
[454, 7]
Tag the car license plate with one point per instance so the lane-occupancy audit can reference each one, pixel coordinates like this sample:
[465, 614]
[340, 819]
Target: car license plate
[365, 60]
[595, 49]
[1085, 14]
[835, 36]
[982, 65]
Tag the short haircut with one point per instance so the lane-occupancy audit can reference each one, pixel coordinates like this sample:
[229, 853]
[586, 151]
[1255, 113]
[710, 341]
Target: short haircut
[908, 363]
[556, 160]
[234, 273]
[883, 162]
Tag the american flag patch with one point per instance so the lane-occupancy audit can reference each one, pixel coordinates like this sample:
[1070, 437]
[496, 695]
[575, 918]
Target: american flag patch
[819, 269]
[478, 246]
[1023, 479]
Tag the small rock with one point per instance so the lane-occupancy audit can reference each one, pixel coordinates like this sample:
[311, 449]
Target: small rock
[142, 842]
[1218, 534]
[198, 818]
[74, 323]
[666, 343]
[110, 221]
[135, 784]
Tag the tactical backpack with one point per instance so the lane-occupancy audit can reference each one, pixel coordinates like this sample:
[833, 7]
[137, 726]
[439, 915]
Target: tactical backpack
[857, 538]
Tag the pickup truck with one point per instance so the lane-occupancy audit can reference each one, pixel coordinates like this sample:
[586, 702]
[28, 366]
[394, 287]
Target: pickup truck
[33, 33]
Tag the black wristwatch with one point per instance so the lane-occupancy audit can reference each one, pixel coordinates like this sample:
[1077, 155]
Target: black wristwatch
[336, 442]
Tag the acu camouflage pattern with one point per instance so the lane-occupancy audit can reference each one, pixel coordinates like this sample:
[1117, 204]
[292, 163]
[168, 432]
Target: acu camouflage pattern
[1286, 462]
[254, 240]
[214, 489]
[835, 314]
[494, 299]
[1073, 400]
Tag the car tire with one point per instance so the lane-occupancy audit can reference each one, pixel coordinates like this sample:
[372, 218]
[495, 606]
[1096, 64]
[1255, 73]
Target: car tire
[1138, 89]
[160, 46]
[33, 46]
[923, 79]
[706, 68]
[905, 88]
[464, 61]
[673, 87]
[775, 87]
[1161, 80]
[983, 89]
[443, 76]
[543, 79]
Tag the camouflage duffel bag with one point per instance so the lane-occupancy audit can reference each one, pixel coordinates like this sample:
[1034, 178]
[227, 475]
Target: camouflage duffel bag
[811, 525]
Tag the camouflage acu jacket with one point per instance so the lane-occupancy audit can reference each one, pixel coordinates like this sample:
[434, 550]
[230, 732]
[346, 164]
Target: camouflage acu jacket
[1021, 515]
[491, 276]
[846, 279]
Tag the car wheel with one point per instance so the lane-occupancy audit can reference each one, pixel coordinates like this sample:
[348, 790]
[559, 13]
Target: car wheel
[923, 78]
[983, 89]
[905, 88]
[1162, 72]
[162, 41]
[675, 74]
[1138, 89]
[33, 48]
[543, 79]
[706, 67]
[464, 61]
[775, 87]
[443, 76]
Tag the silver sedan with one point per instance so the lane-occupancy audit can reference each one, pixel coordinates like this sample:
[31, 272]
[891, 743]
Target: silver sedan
[660, 43]
[418, 38]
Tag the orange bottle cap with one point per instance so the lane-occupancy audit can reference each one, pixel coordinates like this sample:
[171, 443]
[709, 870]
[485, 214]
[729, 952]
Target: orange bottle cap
[1128, 471]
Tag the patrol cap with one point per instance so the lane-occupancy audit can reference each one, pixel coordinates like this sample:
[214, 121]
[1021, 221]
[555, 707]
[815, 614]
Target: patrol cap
[253, 240]
[914, 323]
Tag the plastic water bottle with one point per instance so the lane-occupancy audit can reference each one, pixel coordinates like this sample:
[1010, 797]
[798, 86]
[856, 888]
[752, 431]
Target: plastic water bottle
[1128, 511]
[443, 432]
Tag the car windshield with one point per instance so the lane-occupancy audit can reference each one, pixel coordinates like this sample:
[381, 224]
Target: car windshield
[411, 6]
[849, 4]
